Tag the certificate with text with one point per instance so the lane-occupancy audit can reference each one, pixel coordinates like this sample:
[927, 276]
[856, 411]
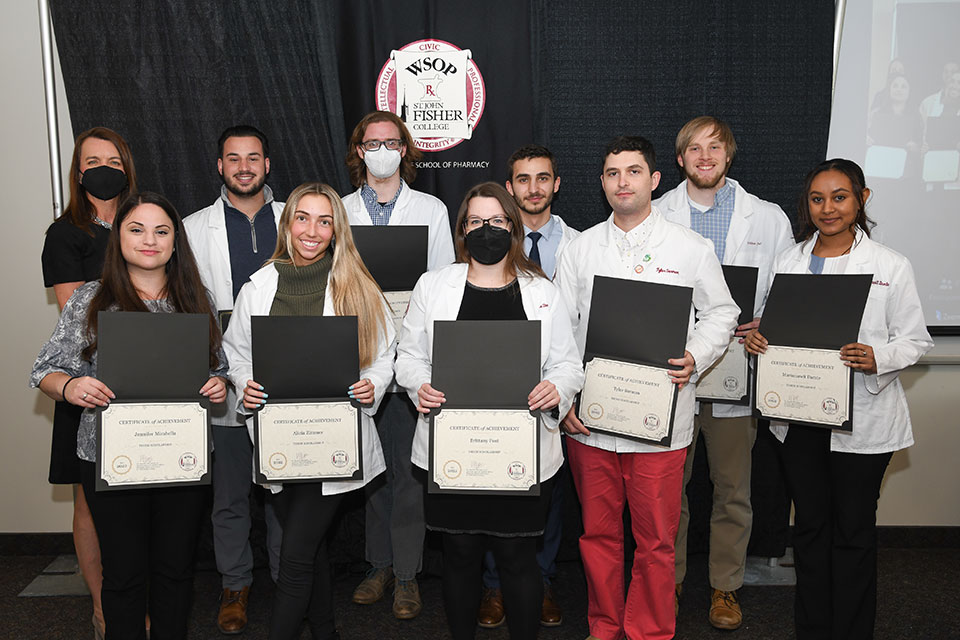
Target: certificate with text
[485, 451]
[728, 380]
[627, 399]
[307, 441]
[804, 385]
[399, 301]
[152, 444]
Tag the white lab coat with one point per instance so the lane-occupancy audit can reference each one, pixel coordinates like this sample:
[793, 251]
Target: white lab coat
[412, 208]
[569, 233]
[255, 299]
[679, 257]
[893, 324]
[759, 232]
[207, 234]
[437, 296]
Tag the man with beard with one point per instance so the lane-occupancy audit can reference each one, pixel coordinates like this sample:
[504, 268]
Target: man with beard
[231, 239]
[533, 181]
[747, 231]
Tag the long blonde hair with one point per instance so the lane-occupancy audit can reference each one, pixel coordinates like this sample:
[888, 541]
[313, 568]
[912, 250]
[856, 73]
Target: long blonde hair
[353, 289]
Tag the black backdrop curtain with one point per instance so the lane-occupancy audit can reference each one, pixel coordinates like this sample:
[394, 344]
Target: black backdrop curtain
[169, 76]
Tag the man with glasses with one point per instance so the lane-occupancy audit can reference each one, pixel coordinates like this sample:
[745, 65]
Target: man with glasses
[381, 161]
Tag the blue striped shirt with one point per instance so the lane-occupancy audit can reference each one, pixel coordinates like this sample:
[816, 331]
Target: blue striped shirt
[714, 223]
[379, 212]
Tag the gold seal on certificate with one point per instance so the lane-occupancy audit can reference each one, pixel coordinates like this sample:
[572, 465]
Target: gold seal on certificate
[307, 441]
[485, 450]
[153, 443]
[727, 380]
[627, 399]
[398, 301]
[803, 385]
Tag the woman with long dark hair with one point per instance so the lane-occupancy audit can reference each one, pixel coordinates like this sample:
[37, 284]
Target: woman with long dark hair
[492, 280]
[147, 536]
[101, 175]
[834, 477]
[315, 270]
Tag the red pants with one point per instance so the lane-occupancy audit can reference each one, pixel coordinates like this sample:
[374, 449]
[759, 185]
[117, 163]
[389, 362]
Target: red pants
[650, 484]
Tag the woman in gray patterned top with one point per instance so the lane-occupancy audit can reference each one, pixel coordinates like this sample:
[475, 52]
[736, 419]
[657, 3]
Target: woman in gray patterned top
[147, 536]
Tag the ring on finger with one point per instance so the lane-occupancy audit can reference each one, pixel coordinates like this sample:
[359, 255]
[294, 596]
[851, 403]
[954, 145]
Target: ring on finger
[84, 396]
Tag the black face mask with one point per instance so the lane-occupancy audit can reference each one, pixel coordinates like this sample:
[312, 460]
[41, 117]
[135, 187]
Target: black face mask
[488, 244]
[104, 182]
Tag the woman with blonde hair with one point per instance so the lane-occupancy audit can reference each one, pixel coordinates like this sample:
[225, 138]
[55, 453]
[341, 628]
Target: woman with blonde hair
[315, 270]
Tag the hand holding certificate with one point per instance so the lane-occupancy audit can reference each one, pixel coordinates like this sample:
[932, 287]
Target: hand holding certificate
[307, 427]
[484, 437]
[804, 353]
[636, 332]
[157, 432]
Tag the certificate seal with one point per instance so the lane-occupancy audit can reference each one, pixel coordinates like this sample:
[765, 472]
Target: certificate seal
[771, 399]
[277, 461]
[188, 461]
[452, 469]
[121, 465]
[730, 383]
[638, 268]
[595, 411]
[830, 406]
[339, 458]
[516, 470]
[651, 421]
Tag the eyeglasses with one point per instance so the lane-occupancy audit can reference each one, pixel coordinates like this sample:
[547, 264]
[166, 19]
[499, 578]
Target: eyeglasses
[472, 223]
[372, 145]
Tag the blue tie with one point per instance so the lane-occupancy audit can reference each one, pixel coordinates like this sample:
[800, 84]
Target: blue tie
[534, 249]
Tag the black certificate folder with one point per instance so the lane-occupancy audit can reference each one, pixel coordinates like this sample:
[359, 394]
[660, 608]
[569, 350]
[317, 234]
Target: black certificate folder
[305, 356]
[396, 256]
[640, 323]
[157, 431]
[486, 369]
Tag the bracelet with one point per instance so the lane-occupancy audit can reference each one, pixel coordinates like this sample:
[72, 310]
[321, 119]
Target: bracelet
[63, 389]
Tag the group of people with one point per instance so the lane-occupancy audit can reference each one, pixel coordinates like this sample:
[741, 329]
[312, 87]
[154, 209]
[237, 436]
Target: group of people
[509, 258]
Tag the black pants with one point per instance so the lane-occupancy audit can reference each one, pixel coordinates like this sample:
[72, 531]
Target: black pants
[835, 535]
[520, 580]
[147, 543]
[304, 586]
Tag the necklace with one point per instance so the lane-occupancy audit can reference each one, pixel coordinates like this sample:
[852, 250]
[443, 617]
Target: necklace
[103, 223]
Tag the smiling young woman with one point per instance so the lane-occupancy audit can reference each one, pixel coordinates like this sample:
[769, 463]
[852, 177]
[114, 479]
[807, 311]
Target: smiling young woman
[834, 477]
[147, 537]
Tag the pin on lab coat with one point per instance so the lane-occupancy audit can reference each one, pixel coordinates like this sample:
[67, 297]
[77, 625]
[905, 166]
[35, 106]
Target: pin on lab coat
[438, 296]
[255, 299]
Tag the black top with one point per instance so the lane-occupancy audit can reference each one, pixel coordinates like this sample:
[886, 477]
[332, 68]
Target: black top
[251, 242]
[70, 254]
[503, 303]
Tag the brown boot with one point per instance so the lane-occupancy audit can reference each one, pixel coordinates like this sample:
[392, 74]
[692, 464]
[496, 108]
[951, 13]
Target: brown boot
[491, 614]
[551, 615]
[406, 599]
[725, 610]
[373, 586]
[232, 618]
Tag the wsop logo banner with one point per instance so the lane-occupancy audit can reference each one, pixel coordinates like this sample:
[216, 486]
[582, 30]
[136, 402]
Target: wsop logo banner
[458, 73]
[436, 89]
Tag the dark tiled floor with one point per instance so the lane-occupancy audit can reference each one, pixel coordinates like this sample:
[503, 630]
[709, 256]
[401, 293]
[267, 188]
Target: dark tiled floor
[918, 599]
